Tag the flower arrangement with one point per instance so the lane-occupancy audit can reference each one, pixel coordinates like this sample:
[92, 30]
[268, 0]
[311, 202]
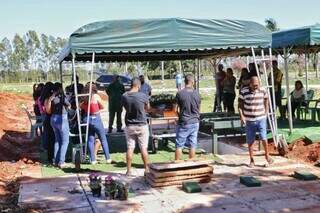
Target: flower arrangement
[162, 99]
[95, 184]
[115, 190]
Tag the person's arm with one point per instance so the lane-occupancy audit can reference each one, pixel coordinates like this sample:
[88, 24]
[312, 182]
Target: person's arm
[123, 90]
[48, 105]
[266, 102]
[99, 101]
[108, 90]
[150, 90]
[241, 107]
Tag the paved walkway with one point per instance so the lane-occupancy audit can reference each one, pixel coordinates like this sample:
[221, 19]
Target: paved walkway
[279, 192]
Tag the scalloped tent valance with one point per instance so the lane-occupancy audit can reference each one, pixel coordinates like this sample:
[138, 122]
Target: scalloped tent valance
[164, 39]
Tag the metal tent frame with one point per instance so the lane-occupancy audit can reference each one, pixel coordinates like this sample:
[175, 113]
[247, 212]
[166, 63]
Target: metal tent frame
[78, 51]
[304, 40]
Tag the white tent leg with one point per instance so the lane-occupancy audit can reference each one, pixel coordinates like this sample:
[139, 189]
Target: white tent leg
[162, 72]
[286, 57]
[306, 61]
[198, 75]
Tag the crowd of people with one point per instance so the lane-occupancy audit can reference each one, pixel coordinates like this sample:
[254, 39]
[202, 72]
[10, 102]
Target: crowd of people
[57, 109]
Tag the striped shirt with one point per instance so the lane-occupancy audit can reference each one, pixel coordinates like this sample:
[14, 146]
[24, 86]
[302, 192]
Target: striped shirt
[253, 103]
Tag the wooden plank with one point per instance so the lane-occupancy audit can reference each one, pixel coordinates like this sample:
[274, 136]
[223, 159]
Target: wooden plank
[178, 183]
[201, 170]
[177, 178]
[179, 164]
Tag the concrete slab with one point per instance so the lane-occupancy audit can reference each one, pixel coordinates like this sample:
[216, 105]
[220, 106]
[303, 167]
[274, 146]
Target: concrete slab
[234, 208]
[279, 192]
[52, 194]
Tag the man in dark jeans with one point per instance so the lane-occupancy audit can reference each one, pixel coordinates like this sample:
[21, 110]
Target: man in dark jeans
[188, 101]
[137, 130]
[115, 90]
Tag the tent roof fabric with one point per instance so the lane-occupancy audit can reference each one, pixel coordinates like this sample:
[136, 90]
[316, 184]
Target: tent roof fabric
[297, 38]
[171, 38]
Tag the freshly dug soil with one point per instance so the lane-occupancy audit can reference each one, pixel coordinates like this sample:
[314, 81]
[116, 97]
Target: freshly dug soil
[17, 152]
[302, 150]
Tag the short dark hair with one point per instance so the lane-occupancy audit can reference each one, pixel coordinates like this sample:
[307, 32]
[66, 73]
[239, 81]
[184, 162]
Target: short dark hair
[135, 82]
[275, 63]
[188, 79]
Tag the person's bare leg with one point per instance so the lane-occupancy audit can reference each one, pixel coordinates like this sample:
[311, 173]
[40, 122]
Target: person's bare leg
[250, 146]
[178, 153]
[97, 146]
[266, 151]
[192, 153]
[145, 158]
[129, 160]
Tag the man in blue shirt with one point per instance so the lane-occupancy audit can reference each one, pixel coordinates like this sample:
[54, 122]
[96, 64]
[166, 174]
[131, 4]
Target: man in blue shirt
[144, 88]
[179, 81]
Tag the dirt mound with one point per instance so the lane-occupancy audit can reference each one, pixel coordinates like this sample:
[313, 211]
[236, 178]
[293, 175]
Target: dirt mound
[17, 152]
[304, 151]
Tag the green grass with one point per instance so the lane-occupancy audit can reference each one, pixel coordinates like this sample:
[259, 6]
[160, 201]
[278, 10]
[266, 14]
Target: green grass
[164, 154]
[16, 88]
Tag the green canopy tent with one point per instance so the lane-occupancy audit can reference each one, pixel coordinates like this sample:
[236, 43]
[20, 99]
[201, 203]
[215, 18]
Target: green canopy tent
[304, 40]
[162, 39]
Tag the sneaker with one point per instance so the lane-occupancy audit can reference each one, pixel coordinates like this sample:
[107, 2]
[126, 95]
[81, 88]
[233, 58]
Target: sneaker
[93, 162]
[110, 130]
[109, 161]
[62, 165]
[120, 130]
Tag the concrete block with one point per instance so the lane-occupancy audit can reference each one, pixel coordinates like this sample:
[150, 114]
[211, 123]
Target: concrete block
[191, 187]
[305, 175]
[250, 181]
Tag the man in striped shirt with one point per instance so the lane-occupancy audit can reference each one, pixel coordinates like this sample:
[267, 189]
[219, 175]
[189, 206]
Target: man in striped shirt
[253, 108]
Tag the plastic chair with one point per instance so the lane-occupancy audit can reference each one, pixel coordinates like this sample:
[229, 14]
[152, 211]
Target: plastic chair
[302, 111]
[34, 122]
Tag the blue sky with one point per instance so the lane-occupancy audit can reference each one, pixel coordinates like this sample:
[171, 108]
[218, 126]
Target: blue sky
[62, 17]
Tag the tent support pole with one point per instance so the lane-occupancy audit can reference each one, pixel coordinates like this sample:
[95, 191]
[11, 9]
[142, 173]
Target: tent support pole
[285, 57]
[60, 69]
[162, 72]
[317, 66]
[306, 63]
[198, 75]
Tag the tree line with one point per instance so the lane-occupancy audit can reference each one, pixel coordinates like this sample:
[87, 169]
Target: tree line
[29, 57]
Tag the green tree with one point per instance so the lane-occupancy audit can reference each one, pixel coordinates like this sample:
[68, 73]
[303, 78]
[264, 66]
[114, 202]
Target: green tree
[271, 24]
[20, 53]
[33, 45]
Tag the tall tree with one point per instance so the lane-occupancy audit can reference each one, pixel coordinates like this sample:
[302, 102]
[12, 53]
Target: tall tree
[33, 45]
[20, 53]
[271, 24]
